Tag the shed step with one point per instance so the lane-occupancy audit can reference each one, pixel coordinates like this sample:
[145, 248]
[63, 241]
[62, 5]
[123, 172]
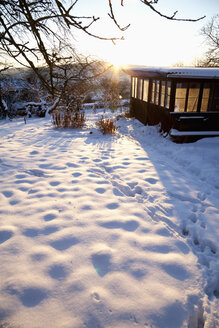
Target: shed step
[176, 133]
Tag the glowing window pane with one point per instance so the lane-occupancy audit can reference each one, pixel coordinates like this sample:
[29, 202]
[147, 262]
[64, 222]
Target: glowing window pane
[168, 92]
[139, 90]
[145, 90]
[180, 98]
[205, 98]
[157, 92]
[163, 92]
[134, 87]
[153, 91]
[193, 97]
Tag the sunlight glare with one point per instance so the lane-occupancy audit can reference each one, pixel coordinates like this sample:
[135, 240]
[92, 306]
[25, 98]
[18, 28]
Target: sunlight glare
[117, 67]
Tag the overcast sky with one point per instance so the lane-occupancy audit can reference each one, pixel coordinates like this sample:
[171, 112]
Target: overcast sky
[150, 40]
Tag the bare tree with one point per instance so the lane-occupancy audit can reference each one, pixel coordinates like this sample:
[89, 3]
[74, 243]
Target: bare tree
[3, 106]
[38, 34]
[211, 33]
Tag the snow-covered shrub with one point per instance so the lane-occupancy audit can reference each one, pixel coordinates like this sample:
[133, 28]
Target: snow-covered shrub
[106, 125]
[68, 119]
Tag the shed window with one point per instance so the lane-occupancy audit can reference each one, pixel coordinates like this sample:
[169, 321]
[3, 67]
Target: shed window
[193, 97]
[215, 104]
[139, 90]
[163, 93]
[155, 92]
[205, 97]
[165, 90]
[134, 87]
[180, 99]
[145, 90]
[167, 95]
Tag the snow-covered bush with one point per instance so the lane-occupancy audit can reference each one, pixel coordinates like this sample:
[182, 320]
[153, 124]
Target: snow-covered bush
[106, 125]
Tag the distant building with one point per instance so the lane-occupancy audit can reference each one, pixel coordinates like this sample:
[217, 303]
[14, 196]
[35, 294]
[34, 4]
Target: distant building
[185, 101]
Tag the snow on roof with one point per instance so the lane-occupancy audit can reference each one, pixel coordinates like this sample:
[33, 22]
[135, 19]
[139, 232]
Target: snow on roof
[174, 72]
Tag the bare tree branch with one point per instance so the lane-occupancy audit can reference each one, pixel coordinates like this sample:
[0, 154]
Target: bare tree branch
[27, 32]
[112, 16]
[150, 4]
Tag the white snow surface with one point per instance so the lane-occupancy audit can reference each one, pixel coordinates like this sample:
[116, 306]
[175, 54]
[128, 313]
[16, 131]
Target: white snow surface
[178, 72]
[109, 231]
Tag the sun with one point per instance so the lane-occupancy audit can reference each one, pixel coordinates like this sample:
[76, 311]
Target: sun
[117, 67]
[117, 60]
[117, 64]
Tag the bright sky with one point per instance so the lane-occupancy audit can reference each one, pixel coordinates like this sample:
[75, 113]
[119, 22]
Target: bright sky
[150, 40]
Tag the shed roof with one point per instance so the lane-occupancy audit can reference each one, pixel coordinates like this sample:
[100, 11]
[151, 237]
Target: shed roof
[173, 72]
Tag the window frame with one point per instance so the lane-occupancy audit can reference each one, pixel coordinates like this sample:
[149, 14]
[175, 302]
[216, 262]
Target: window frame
[190, 97]
[164, 95]
[188, 83]
[139, 90]
[134, 87]
[148, 89]
[167, 95]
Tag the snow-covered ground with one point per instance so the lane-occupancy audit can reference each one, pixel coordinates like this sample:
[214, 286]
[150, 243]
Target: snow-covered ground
[107, 231]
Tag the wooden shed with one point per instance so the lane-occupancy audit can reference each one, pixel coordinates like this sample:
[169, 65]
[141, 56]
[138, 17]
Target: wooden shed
[185, 101]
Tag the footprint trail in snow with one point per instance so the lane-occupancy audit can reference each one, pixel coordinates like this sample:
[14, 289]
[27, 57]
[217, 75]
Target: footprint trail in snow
[103, 231]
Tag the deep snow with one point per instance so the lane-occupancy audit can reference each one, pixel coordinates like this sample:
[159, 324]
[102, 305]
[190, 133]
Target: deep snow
[107, 231]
